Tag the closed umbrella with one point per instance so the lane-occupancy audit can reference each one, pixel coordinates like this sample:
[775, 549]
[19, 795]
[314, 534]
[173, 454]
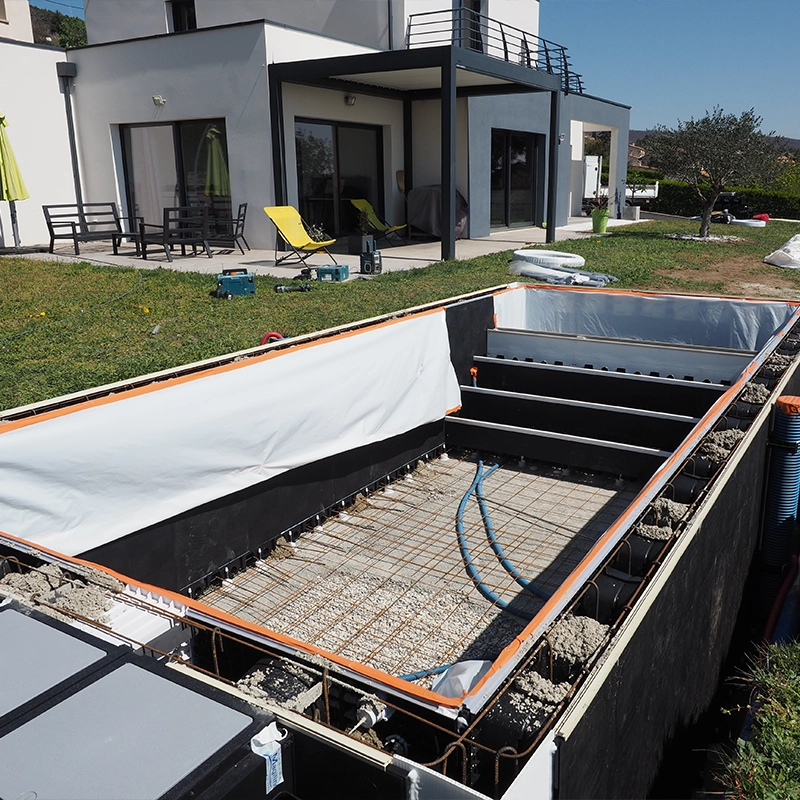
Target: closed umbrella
[12, 187]
[218, 182]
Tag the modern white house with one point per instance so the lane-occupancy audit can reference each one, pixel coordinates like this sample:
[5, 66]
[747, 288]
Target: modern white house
[312, 105]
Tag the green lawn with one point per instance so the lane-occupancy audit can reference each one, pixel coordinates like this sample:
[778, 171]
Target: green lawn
[68, 327]
[768, 767]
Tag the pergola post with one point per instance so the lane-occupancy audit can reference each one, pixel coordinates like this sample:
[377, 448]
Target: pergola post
[278, 133]
[552, 171]
[448, 156]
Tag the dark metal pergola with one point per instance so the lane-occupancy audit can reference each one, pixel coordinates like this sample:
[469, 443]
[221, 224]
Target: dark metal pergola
[444, 73]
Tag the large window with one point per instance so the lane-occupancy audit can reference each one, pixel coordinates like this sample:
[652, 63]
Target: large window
[513, 178]
[176, 164]
[337, 163]
[183, 15]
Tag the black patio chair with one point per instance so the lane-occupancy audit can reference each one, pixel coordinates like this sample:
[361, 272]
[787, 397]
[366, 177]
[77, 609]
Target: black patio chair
[230, 232]
[184, 226]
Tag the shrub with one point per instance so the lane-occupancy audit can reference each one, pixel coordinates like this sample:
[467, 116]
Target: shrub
[680, 199]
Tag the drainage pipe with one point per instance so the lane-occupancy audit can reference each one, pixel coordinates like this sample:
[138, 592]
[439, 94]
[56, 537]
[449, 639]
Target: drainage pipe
[783, 487]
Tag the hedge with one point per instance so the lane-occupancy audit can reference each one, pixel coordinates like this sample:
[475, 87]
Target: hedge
[680, 199]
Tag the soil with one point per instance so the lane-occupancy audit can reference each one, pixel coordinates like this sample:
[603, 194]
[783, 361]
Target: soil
[742, 277]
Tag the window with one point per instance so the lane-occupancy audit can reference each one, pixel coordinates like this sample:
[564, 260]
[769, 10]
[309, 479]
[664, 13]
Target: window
[337, 163]
[183, 15]
[513, 178]
[176, 164]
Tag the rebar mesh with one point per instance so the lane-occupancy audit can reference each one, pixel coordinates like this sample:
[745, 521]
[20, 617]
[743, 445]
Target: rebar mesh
[384, 583]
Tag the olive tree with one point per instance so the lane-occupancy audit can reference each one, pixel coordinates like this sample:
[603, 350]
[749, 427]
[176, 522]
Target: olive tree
[716, 151]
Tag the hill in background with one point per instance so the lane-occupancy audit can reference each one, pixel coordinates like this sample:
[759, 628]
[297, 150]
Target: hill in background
[57, 29]
[634, 136]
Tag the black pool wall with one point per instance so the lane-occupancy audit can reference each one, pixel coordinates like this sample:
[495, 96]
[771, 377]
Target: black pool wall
[668, 672]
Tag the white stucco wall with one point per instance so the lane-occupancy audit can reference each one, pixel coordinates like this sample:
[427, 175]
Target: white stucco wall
[364, 22]
[16, 22]
[427, 138]
[37, 128]
[218, 73]
[522, 14]
[123, 19]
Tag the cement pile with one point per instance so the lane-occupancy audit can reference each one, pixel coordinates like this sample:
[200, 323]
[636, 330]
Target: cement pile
[717, 445]
[283, 682]
[660, 519]
[529, 703]
[667, 512]
[656, 533]
[778, 362]
[49, 584]
[757, 392]
[575, 639]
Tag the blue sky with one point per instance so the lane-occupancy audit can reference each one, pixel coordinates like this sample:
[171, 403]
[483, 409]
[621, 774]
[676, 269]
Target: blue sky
[672, 59]
[72, 7]
[675, 59]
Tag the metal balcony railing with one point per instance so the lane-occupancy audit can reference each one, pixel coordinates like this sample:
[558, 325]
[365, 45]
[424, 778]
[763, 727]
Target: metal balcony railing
[467, 28]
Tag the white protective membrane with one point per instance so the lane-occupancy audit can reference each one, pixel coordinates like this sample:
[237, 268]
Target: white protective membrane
[98, 472]
[702, 321]
[787, 256]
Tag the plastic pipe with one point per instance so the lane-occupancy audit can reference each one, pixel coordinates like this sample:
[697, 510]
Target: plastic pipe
[472, 571]
[495, 545]
[783, 489]
[424, 673]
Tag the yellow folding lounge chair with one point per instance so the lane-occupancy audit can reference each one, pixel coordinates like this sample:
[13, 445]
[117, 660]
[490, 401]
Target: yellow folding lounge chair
[292, 230]
[383, 229]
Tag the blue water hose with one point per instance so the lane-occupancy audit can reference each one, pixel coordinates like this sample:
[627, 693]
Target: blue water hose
[472, 571]
[495, 544]
[424, 673]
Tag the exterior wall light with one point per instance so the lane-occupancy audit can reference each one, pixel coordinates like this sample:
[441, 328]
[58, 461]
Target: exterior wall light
[561, 136]
[158, 100]
[349, 100]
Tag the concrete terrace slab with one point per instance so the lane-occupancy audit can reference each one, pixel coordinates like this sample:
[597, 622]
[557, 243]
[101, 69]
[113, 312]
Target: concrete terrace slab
[262, 262]
[384, 583]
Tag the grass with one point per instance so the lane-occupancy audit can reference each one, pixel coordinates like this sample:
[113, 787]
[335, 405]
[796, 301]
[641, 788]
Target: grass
[68, 327]
[768, 767]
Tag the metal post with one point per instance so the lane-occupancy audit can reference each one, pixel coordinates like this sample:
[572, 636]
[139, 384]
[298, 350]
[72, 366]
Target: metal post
[448, 156]
[67, 70]
[552, 171]
[278, 136]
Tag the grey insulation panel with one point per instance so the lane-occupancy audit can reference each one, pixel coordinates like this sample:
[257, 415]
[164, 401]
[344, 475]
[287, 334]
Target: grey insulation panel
[35, 657]
[130, 734]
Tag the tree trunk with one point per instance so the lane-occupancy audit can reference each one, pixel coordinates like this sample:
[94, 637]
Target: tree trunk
[705, 224]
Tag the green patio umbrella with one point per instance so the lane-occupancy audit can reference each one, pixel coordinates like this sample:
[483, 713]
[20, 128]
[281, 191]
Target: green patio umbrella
[12, 187]
[218, 182]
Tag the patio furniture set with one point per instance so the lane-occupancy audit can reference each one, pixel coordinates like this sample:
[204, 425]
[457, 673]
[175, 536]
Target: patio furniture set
[191, 226]
[182, 226]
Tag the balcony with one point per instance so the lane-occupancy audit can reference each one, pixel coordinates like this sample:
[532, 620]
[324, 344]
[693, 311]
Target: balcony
[464, 27]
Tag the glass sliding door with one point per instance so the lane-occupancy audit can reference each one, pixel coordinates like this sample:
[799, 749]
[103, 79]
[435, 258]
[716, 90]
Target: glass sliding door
[316, 174]
[176, 164]
[337, 163]
[152, 172]
[513, 178]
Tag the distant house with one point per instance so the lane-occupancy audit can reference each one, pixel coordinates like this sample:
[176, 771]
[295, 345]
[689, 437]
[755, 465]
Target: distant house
[371, 100]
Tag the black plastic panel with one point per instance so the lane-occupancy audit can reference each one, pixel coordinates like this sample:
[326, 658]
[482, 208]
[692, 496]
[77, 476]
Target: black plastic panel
[595, 386]
[179, 551]
[576, 419]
